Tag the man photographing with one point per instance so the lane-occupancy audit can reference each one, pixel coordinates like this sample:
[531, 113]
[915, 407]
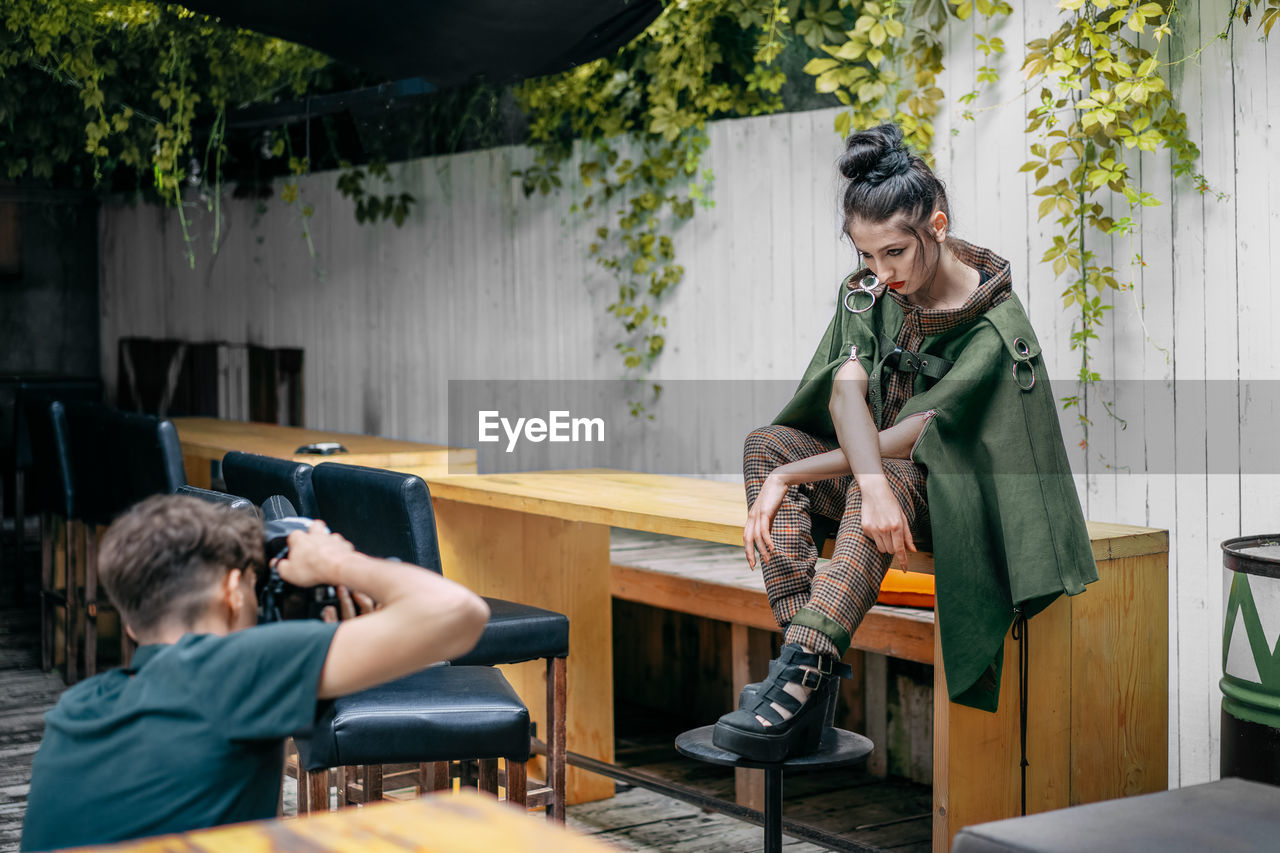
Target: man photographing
[191, 733]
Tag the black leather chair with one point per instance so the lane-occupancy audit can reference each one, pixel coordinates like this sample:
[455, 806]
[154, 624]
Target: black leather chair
[220, 498]
[114, 459]
[388, 514]
[37, 486]
[50, 448]
[441, 714]
[260, 477]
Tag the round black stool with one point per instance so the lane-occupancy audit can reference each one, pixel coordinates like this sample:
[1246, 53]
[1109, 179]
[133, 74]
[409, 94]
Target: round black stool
[838, 748]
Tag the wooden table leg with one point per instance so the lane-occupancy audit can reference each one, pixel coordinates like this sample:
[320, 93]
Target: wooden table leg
[1097, 708]
[748, 784]
[562, 566]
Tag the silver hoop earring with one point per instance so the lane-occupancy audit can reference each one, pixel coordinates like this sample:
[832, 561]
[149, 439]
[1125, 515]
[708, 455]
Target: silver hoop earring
[867, 286]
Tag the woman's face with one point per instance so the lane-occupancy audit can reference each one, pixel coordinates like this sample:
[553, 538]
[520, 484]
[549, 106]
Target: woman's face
[893, 253]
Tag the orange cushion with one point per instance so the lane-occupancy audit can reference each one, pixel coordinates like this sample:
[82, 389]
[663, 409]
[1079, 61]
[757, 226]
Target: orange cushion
[907, 589]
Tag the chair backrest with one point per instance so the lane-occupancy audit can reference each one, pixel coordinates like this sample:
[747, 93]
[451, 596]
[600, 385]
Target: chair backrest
[277, 507]
[382, 513]
[259, 477]
[222, 498]
[36, 442]
[61, 436]
[118, 458]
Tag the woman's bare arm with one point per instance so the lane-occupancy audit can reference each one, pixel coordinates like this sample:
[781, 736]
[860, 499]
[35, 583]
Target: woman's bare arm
[882, 518]
[895, 443]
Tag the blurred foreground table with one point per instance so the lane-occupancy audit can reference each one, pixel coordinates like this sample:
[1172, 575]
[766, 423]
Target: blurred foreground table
[440, 823]
[207, 440]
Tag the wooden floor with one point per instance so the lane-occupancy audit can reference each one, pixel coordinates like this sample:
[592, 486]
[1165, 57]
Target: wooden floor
[25, 694]
[867, 813]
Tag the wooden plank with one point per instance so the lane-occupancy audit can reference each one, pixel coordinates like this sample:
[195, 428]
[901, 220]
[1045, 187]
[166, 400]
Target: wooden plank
[562, 566]
[748, 784]
[1120, 666]
[454, 823]
[977, 755]
[897, 632]
[706, 510]
[875, 686]
[206, 439]
[1097, 724]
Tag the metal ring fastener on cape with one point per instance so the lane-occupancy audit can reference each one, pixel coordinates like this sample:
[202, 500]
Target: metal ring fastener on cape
[1018, 381]
[867, 285]
[1021, 348]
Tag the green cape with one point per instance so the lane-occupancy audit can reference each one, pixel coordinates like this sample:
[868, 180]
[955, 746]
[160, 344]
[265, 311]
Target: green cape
[1008, 532]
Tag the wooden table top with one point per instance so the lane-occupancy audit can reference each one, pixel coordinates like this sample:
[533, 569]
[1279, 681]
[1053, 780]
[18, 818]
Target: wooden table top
[212, 438]
[442, 823]
[708, 510]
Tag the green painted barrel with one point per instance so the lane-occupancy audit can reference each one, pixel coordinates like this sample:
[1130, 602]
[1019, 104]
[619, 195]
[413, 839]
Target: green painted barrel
[1251, 659]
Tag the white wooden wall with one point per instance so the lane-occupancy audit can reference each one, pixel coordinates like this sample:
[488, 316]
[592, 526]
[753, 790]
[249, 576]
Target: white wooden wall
[482, 283]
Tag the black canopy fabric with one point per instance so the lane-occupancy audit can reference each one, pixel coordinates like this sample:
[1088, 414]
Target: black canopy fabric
[446, 42]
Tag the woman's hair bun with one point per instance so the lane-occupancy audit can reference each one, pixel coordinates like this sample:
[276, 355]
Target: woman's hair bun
[875, 155]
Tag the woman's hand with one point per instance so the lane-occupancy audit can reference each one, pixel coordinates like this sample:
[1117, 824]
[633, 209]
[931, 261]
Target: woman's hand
[884, 521]
[756, 536]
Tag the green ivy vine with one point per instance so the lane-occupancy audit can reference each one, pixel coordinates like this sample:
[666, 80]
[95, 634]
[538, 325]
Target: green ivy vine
[130, 78]
[1103, 104]
[123, 94]
[641, 117]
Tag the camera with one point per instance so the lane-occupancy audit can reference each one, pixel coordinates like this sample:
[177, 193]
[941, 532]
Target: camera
[277, 598]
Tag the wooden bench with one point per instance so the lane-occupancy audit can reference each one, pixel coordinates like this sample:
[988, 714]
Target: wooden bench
[1098, 727]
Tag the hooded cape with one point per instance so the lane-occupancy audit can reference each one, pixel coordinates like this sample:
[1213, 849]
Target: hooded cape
[1008, 532]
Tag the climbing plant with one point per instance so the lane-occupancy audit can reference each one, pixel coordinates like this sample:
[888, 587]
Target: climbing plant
[1104, 103]
[640, 118]
[125, 94]
[131, 78]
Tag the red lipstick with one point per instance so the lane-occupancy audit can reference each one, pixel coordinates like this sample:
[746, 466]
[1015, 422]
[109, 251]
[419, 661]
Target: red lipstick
[896, 285]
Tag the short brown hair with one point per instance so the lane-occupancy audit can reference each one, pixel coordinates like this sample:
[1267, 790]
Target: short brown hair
[159, 560]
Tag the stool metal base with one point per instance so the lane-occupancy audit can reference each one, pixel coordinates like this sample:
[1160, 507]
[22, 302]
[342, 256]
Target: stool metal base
[838, 748]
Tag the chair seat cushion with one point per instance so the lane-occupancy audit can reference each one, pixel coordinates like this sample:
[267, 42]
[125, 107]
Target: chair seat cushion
[439, 714]
[1231, 814]
[518, 632]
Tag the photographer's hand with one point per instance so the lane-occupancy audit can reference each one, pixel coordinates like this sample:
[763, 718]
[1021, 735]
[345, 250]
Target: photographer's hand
[420, 617]
[315, 556]
[352, 604]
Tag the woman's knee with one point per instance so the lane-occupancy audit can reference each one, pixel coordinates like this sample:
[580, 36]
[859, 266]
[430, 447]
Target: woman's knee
[767, 442]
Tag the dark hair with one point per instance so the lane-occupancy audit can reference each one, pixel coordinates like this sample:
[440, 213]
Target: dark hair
[160, 559]
[886, 180]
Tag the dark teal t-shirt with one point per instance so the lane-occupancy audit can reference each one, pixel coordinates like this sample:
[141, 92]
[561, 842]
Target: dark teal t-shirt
[190, 736]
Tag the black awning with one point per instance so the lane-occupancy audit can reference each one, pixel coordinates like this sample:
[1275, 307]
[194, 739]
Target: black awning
[446, 43]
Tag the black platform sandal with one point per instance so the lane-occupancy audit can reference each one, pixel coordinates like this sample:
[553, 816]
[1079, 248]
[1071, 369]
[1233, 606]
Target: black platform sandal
[801, 733]
[747, 697]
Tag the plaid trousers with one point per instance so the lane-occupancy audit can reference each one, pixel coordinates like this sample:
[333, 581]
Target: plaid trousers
[821, 610]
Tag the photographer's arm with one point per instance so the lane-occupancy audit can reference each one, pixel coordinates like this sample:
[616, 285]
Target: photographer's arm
[422, 618]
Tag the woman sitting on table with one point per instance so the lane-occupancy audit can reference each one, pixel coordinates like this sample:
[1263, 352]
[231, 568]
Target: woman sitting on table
[924, 416]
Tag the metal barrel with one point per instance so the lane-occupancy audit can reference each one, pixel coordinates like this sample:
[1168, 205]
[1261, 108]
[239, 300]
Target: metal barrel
[1251, 659]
